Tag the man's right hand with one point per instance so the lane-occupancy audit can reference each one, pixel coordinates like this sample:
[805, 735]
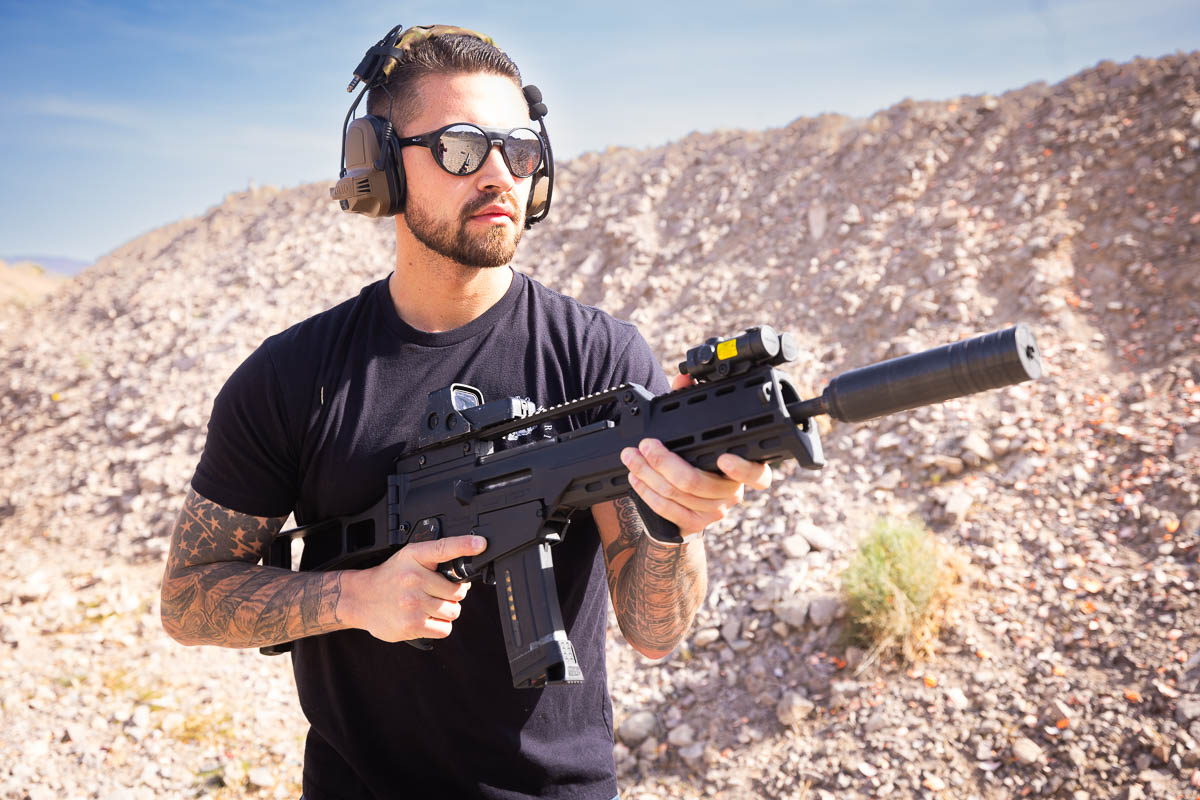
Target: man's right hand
[406, 597]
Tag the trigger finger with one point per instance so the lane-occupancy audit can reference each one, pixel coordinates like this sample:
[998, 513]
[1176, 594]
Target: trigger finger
[444, 589]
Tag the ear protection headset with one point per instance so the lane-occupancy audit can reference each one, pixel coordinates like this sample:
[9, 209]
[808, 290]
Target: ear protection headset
[371, 172]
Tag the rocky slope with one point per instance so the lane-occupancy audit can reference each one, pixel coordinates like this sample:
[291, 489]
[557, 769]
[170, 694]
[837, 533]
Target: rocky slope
[1073, 669]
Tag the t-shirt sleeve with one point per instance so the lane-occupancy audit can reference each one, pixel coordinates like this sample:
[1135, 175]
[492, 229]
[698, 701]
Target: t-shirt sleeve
[248, 464]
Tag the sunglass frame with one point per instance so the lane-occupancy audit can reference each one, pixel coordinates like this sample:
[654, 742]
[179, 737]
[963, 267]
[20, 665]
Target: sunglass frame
[494, 136]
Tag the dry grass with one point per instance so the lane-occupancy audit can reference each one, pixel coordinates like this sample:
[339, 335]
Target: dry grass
[899, 587]
[206, 728]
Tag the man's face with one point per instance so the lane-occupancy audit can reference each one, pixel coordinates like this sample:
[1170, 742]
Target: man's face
[474, 219]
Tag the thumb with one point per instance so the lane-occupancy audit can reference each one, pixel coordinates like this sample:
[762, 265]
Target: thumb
[681, 380]
[430, 554]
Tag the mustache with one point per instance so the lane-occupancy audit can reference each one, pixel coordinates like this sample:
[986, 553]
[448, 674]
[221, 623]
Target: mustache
[483, 201]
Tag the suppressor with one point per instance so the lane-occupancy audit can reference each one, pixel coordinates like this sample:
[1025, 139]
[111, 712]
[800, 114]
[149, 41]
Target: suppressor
[990, 361]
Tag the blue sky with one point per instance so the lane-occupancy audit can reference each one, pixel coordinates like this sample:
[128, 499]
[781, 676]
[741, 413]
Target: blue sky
[116, 118]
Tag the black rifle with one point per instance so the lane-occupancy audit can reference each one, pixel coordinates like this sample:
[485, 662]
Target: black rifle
[520, 498]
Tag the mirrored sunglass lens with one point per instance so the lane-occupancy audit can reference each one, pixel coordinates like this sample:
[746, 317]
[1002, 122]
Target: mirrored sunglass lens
[462, 149]
[524, 151]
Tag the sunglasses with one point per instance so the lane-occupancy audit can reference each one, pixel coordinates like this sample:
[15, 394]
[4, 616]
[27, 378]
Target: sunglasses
[461, 148]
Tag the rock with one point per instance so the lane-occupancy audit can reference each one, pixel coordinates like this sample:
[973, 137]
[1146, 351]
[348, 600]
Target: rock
[854, 657]
[818, 538]
[794, 611]
[976, 450]
[823, 609]
[957, 699]
[943, 463]
[876, 722]
[1022, 469]
[141, 716]
[731, 630]
[888, 441]
[172, 723]
[636, 728]
[958, 503]
[706, 636]
[817, 216]
[1056, 710]
[1189, 526]
[794, 708]
[1187, 708]
[35, 587]
[261, 777]
[234, 773]
[681, 736]
[853, 215]
[890, 480]
[843, 692]
[1026, 751]
[624, 759]
[1186, 445]
[796, 546]
[693, 754]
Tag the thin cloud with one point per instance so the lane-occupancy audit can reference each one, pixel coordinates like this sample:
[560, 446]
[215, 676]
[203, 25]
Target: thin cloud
[114, 114]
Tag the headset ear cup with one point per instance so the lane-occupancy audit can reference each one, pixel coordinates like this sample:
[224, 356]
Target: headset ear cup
[370, 186]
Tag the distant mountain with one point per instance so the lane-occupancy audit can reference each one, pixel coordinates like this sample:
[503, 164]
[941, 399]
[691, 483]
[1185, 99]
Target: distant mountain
[59, 264]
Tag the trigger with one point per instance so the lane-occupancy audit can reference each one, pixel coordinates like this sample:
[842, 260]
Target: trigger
[456, 570]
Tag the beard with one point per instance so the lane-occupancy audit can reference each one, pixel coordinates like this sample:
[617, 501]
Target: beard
[492, 247]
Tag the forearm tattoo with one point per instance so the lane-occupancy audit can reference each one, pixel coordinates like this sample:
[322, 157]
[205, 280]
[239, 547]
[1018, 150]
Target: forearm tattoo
[214, 593]
[655, 588]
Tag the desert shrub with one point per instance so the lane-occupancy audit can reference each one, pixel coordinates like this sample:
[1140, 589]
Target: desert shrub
[898, 588]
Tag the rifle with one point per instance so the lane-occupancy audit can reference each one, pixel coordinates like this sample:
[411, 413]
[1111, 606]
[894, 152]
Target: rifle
[457, 481]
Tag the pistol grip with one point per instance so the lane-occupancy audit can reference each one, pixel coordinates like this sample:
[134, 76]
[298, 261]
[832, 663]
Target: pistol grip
[539, 652]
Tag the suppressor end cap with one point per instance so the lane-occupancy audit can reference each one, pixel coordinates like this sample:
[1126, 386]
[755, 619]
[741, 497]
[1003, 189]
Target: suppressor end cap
[1029, 352]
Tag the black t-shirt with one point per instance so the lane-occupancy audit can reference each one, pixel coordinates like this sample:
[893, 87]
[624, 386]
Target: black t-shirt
[312, 422]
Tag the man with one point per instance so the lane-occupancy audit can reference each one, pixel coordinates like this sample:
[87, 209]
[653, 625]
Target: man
[313, 420]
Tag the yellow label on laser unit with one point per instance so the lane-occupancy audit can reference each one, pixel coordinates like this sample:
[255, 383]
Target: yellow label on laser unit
[727, 349]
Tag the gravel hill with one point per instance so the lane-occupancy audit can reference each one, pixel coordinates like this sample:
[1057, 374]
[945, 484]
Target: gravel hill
[1073, 667]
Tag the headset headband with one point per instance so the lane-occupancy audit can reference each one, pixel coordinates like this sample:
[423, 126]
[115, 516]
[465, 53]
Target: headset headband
[377, 65]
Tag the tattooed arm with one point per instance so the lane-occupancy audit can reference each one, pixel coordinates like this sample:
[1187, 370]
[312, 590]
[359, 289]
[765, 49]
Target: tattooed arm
[656, 587]
[214, 591]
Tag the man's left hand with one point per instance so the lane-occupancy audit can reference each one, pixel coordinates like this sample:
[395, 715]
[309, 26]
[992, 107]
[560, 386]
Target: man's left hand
[690, 497]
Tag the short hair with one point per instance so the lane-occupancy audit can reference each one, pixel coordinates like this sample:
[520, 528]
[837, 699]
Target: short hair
[440, 55]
